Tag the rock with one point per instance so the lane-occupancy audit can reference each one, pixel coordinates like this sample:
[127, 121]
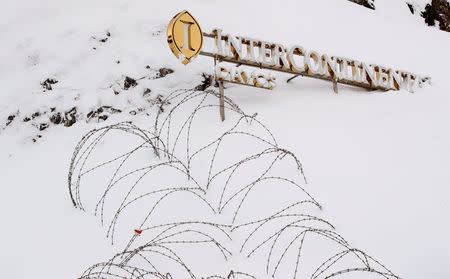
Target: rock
[47, 84]
[10, 119]
[56, 118]
[147, 91]
[164, 72]
[207, 82]
[26, 119]
[70, 117]
[43, 126]
[38, 136]
[104, 110]
[133, 112]
[411, 8]
[366, 3]
[112, 110]
[109, 109]
[36, 114]
[439, 11]
[129, 82]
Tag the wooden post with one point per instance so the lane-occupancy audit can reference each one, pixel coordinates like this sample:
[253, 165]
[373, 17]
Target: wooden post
[222, 101]
[221, 93]
[335, 86]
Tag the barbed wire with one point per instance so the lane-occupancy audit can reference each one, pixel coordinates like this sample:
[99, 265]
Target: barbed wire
[217, 177]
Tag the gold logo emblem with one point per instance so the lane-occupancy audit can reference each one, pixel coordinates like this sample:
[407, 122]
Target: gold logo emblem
[185, 37]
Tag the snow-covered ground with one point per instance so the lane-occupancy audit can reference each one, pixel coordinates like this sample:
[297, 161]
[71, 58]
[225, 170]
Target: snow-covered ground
[377, 162]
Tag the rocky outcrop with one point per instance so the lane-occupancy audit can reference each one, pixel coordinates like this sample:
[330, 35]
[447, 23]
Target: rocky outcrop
[411, 8]
[366, 3]
[164, 72]
[438, 12]
[129, 82]
[47, 84]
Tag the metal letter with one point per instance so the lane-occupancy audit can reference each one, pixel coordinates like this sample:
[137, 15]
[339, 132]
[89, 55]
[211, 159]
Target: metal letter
[296, 67]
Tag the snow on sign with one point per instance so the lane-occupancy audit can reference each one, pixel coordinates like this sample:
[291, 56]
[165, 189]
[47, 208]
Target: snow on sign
[185, 39]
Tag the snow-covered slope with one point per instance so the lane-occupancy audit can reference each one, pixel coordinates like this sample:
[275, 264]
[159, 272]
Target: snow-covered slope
[378, 163]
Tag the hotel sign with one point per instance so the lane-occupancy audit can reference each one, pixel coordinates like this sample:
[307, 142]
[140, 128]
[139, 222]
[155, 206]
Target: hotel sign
[186, 39]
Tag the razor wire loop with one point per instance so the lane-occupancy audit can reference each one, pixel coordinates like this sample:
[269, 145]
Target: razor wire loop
[161, 240]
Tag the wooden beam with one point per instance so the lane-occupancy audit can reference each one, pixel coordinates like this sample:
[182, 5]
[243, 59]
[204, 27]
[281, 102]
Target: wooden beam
[246, 84]
[262, 66]
[222, 101]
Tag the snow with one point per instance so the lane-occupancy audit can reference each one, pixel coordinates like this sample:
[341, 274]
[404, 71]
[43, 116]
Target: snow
[378, 163]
